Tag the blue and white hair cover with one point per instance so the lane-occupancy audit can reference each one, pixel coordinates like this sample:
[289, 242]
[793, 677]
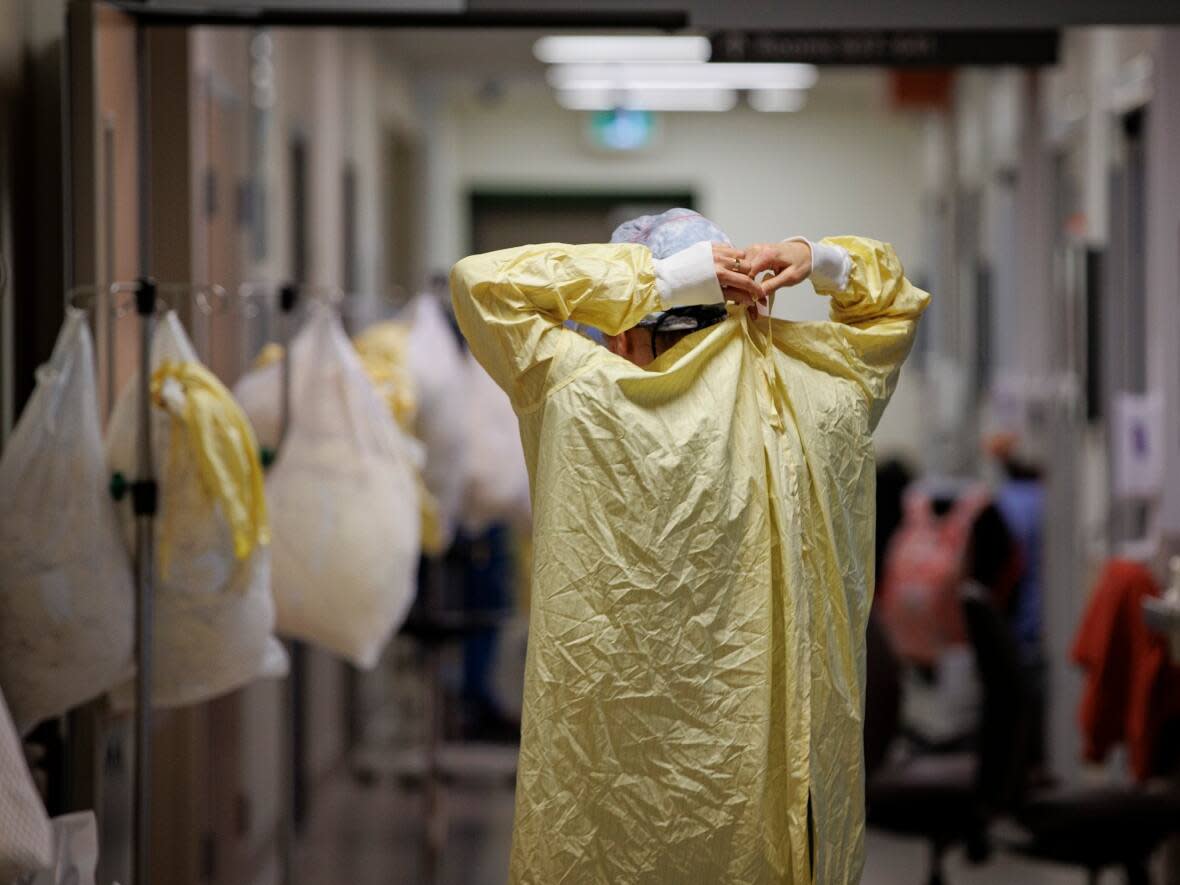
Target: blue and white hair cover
[669, 232]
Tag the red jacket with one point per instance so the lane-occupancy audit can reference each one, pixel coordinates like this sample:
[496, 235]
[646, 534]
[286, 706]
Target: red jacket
[1131, 687]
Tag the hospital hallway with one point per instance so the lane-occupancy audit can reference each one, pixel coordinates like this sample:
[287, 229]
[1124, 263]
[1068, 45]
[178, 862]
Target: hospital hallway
[372, 837]
[589, 442]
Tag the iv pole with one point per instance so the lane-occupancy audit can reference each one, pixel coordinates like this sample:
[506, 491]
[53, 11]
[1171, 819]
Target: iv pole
[288, 298]
[144, 490]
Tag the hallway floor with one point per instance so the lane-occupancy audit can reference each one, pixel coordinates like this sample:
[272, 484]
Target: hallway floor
[372, 835]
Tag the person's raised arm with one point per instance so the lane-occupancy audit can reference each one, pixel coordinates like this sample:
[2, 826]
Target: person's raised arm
[511, 305]
[874, 308]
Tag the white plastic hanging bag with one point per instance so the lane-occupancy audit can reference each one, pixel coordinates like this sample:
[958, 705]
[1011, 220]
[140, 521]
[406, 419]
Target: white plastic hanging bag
[214, 615]
[343, 498]
[25, 834]
[383, 349]
[66, 593]
[75, 852]
[437, 366]
[497, 489]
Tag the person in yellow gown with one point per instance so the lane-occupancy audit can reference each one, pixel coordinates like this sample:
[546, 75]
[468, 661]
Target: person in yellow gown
[703, 547]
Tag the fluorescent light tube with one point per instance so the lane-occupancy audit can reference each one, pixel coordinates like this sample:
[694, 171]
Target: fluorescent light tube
[566, 49]
[735, 75]
[647, 99]
[777, 100]
[645, 85]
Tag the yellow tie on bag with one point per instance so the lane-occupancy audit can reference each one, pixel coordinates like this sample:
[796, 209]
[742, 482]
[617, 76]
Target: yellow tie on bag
[220, 438]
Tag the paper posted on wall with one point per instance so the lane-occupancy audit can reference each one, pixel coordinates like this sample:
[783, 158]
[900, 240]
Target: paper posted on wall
[1138, 445]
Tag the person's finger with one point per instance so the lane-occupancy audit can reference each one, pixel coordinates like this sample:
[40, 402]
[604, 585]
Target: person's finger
[740, 281]
[791, 275]
[741, 299]
[733, 296]
[763, 260]
[734, 279]
[796, 273]
[778, 281]
[732, 259]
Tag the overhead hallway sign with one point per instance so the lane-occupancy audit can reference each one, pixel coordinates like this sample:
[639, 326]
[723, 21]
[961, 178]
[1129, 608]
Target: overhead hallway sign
[706, 15]
[839, 15]
[403, 13]
[296, 6]
[893, 48]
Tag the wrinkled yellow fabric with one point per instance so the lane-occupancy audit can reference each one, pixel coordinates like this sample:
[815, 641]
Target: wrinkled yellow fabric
[211, 427]
[701, 579]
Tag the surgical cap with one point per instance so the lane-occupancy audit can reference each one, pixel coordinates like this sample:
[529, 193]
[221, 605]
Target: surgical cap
[669, 232]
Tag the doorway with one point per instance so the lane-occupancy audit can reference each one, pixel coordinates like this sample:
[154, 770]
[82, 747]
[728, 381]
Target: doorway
[1124, 348]
[500, 219]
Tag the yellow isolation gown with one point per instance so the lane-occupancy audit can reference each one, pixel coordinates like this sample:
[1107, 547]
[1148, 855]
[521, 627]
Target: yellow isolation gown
[703, 557]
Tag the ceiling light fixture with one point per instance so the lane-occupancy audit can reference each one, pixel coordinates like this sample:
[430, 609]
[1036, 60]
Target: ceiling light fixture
[567, 49]
[777, 100]
[645, 84]
[734, 75]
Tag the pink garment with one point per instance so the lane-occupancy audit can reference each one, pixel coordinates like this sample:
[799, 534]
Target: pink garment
[919, 592]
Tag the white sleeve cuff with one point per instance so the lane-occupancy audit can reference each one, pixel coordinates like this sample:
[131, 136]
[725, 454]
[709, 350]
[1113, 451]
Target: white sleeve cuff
[831, 265]
[688, 277]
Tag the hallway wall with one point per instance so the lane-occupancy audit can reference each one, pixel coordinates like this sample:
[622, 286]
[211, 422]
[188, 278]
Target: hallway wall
[1010, 129]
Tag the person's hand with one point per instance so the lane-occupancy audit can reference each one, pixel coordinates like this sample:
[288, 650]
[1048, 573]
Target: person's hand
[789, 264]
[734, 275]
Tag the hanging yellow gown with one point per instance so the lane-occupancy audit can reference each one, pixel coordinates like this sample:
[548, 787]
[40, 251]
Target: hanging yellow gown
[703, 557]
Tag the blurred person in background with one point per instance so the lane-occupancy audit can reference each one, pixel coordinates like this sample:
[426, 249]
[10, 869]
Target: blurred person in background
[487, 579]
[703, 511]
[882, 670]
[893, 476]
[949, 527]
[1020, 499]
